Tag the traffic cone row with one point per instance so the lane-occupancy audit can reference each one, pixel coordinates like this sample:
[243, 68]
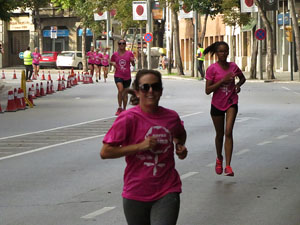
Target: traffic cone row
[43, 76]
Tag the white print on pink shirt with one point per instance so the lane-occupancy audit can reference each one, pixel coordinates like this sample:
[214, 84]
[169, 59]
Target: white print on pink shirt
[164, 143]
[122, 64]
[225, 89]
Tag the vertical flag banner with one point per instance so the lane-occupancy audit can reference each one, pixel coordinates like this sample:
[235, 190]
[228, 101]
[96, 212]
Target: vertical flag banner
[157, 12]
[139, 10]
[270, 5]
[248, 6]
[100, 16]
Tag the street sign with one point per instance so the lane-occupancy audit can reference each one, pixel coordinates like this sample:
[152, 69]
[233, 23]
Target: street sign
[53, 32]
[148, 37]
[260, 34]
[21, 55]
[139, 10]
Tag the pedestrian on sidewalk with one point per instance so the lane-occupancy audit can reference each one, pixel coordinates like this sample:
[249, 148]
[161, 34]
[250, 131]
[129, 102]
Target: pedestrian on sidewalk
[121, 60]
[146, 135]
[220, 80]
[200, 58]
[28, 64]
[36, 61]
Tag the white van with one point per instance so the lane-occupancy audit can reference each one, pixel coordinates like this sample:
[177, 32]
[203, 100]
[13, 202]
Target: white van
[70, 59]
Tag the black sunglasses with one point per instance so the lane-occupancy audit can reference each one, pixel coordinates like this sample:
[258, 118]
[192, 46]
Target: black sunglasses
[122, 43]
[146, 87]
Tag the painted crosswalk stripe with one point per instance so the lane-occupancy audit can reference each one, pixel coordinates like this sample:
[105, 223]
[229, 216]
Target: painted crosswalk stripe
[242, 152]
[282, 136]
[97, 213]
[264, 143]
[189, 174]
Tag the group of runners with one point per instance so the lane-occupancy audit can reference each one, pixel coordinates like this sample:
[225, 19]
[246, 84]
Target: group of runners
[148, 135]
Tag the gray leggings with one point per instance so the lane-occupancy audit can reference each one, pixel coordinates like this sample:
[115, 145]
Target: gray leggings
[160, 212]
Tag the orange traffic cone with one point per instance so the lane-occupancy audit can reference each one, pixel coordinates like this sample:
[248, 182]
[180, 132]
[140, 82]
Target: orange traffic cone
[37, 90]
[63, 76]
[59, 78]
[48, 88]
[16, 96]
[72, 72]
[43, 76]
[78, 77]
[59, 88]
[15, 75]
[30, 97]
[33, 92]
[69, 83]
[3, 75]
[42, 90]
[21, 100]
[49, 76]
[52, 87]
[11, 105]
[75, 80]
[34, 77]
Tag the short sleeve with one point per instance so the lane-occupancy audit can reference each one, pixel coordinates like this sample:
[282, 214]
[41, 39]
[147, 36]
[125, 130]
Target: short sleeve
[210, 73]
[236, 70]
[118, 132]
[113, 58]
[179, 127]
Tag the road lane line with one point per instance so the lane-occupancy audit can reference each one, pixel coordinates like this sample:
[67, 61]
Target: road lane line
[264, 143]
[56, 128]
[50, 146]
[297, 130]
[97, 213]
[243, 151]
[192, 114]
[189, 174]
[286, 88]
[282, 136]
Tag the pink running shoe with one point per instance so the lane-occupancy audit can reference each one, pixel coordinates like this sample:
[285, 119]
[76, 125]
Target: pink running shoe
[119, 111]
[219, 166]
[228, 171]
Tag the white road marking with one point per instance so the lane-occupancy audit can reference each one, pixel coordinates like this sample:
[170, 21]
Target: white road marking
[297, 130]
[50, 146]
[192, 114]
[286, 88]
[282, 136]
[264, 143]
[97, 213]
[77, 98]
[243, 119]
[56, 128]
[296, 93]
[189, 174]
[242, 152]
[211, 164]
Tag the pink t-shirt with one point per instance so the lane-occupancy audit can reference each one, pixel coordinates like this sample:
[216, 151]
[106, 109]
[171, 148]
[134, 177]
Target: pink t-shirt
[36, 57]
[105, 59]
[149, 175]
[91, 56]
[122, 64]
[226, 95]
[98, 57]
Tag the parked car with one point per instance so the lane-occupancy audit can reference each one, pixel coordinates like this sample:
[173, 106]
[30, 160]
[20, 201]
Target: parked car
[69, 59]
[48, 59]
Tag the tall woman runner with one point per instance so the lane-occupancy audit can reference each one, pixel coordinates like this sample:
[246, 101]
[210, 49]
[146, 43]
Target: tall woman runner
[105, 63]
[91, 60]
[220, 79]
[36, 61]
[148, 135]
[97, 64]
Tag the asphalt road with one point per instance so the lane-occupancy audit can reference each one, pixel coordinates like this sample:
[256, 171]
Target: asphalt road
[51, 172]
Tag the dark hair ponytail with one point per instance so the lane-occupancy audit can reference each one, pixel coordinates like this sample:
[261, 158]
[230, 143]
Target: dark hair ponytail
[212, 49]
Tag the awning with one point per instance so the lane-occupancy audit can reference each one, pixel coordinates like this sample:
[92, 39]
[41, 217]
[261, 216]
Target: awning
[249, 26]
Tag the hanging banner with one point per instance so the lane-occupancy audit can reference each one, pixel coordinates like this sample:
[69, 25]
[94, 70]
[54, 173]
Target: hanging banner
[139, 10]
[270, 5]
[248, 6]
[157, 12]
[100, 16]
[185, 14]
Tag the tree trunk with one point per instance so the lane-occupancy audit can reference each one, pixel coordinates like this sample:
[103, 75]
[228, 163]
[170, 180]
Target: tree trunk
[124, 34]
[83, 49]
[203, 30]
[170, 58]
[177, 44]
[296, 32]
[270, 61]
[254, 59]
[193, 52]
[142, 47]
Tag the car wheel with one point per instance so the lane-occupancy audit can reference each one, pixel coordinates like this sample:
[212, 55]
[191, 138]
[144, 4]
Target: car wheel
[80, 66]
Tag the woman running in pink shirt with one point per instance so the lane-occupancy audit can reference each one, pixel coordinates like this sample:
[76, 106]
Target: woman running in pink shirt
[220, 79]
[147, 135]
[105, 63]
[91, 60]
[36, 57]
[97, 64]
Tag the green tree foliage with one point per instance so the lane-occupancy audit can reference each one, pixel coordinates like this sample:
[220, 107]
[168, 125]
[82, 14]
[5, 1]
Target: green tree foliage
[6, 6]
[232, 14]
